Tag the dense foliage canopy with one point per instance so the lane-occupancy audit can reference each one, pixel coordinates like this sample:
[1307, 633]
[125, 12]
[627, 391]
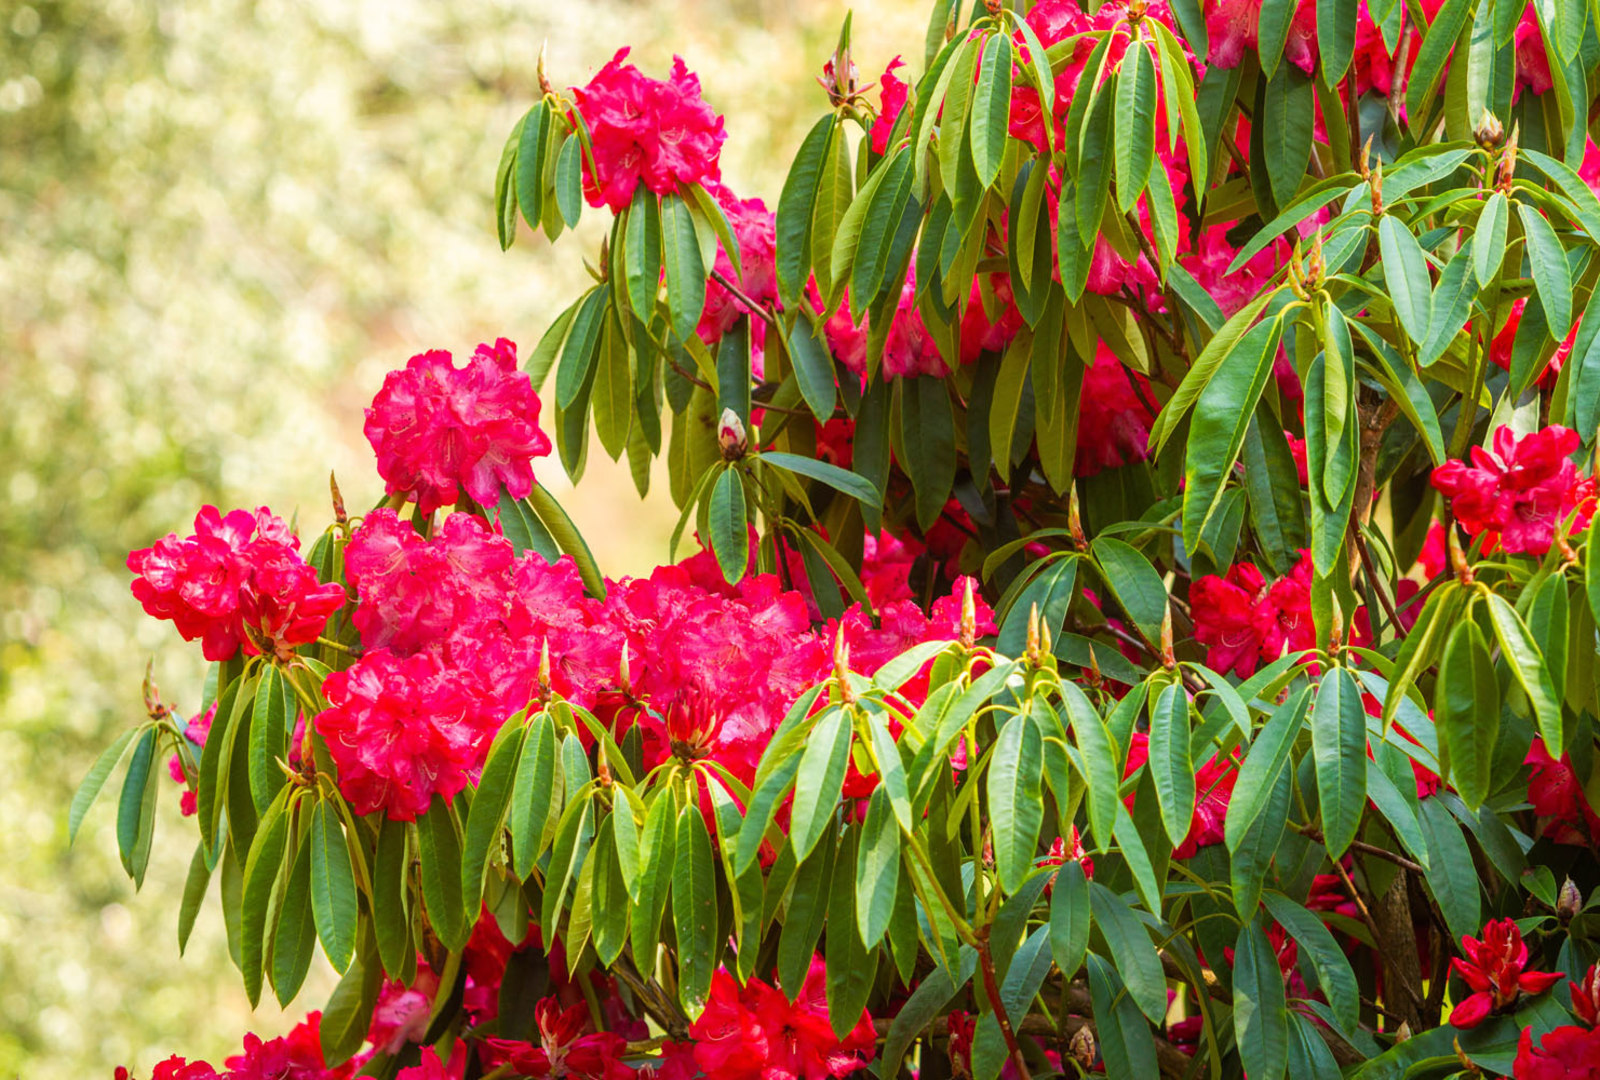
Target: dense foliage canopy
[1147, 619]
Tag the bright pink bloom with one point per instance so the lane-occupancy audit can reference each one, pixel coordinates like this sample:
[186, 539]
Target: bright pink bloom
[892, 92]
[401, 1013]
[295, 1056]
[908, 349]
[437, 428]
[177, 1068]
[1113, 417]
[1519, 492]
[564, 1048]
[1533, 66]
[660, 132]
[1504, 343]
[755, 1033]
[979, 332]
[1495, 969]
[237, 580]
[1567, 1053]
[1064, 850]
[1224, 610]
[754, 228]
[195, 731]
[429, 1067]
[1232, 26]
[401, 730]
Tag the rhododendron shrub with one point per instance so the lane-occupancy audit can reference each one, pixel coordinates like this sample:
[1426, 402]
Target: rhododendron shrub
[1136, 607]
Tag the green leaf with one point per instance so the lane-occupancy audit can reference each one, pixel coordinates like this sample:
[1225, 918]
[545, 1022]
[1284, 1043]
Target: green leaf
[1272, 33]
[569, 182]
[1467, 711]
[261, 871]
[808, 908]
[194, 894]
[1585, 204]
[642, 253]
[1170, 766]
[1397, 811]
[1016, 802]
[530, 160]
[1205, 367]
[1253, 854]
[568, 538]
[851, 965]
[333, 887]
[1452, 304]
[1126, 1043]
[1098, 759]
[694, 910]
[1336, 37]
[1260, 1010]
[1135, 124]
[1316, 197]
[842, 480]
[269, 736]
[927, 1003]
[574, 835]
[583, 341]
[819, 781]
[1069, 917]
[1333, 970]
[1135, 584]
[729, 536]
[991, 108]
[296, 935]
[813, 371]
[440, 851]
[657, 859]
[487, 816]
[391, 914]
[883, 201]
[877, 869]
[795, 204]
[1452, 876]
[533, 794]
[1528, 666]
[1286, 133]
[1489, 238]
[1136, 955]
[1269, 754]
[136, 807]
[927, 431]
[1094, 165]
[1405, 270]
[1339, 744]
[1431, 57]
[1552, 275]
[686, 273]
[1051, 592]
[610, 905]
[1223, 409]
[95, 780]
[347, 1017]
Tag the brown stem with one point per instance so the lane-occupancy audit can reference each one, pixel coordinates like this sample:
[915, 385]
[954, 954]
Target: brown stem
[1311, 832]
[1377, 587]
[1397, 946]
[992, 989]
[755, 307]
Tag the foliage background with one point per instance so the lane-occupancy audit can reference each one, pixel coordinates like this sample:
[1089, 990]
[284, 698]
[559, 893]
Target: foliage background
[223, 222]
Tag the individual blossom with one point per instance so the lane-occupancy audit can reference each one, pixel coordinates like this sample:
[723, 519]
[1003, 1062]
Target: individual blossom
[565, 1047]
[1233, 26]
[757, 1033]
[295, 1056]
[1062, 851]
[892, 93]
[284, 604]
[1519, 491]
[659, 132]
[401, 730]
[1558, 797]
[1586, 997]
[1114, 416]
[438, 429]
[1224, 610]
[1495, 968]
[1566, 1053]
[195, 731]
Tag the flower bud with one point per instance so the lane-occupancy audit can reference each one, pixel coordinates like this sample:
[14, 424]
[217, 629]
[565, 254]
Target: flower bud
[624, 677]
[841, 664]
[544, 80]
[968, 634]
[1458, 558]
[339, 514]
[1075, 520]
[1490, 132]
[1568, 901]
[731, 436]
[1032, 649]
[1082, 1047]
[544, 667]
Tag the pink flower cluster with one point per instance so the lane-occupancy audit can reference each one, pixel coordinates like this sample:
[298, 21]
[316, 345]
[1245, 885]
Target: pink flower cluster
[1520, 492]
[1558, 798]
[755, 1033]
[1496, 970]
[755, 230]
[438, 429]
[1243, 621]
[295, 1056]
[238, 580]
[660, 132]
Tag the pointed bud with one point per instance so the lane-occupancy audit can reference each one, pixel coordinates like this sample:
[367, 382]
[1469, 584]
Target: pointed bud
[544, 80]
[544, 667]
[1569, 901]
[152, 693]
[1032, 649]
[1169, 658]
[1336, 635]
[1376, 180]
[1458, 558]
[339, 514]
[624, 676]
[1316, 268]
[1403, 1032]
[1490, 132]
[1075, 520]
[1083, 1048]
[1094, 678]
[969, 615]
[841, 664]
[1364, 163]
[731, 436]
[1045, 647]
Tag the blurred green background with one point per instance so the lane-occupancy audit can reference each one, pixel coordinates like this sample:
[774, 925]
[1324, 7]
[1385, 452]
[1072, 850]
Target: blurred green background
[221, 223]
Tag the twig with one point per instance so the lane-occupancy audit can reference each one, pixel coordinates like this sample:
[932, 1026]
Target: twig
[992, 988]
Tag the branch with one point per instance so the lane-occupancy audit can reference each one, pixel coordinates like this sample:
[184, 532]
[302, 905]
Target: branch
[992, 989]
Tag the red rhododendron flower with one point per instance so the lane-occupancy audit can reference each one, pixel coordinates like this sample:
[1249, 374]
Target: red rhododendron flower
[1213, 785]
[1232, 26]
[401, 730]
[1061, 852]
[1520, 491]
[238, 580]
[176, 1068]
[756, 1033]
[564, 1048]
[1586, 996]
[1224, 618]
[1113, 416]
[892, 93]
[295, 1056]
[660, 132]
[195, 731]
[437, 428]
[1494, 968]
[429, 1067]
[1504, 344]
[1567, 1053]
[1556, 794]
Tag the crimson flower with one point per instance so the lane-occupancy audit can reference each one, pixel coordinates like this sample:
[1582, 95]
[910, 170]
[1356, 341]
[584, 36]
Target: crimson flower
[1225, 620]
[1494, 968]
[756, 1033]
[1586, 996]
[892, 94]
[1567, 1053]
[437, 428]
[564, 1048]
[1520, 491]
[295, 1056]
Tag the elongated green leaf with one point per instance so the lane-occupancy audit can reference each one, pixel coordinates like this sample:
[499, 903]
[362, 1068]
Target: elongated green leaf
[531, 146]
[295, 937]
[1135, 584]
[135, 808]
[819, 781]
[1552, 276]
[1222, 413]
[991, 108]
[1289, 114]
[1451, 876]
[842, 480]
[1205, 367]
[1333, 970]
[686, 273]
[1135, 124]
[1431, 57]
[1136, 954]
[1069, 917]
[729, 537]
[851, 965]
[808, 908]
[657, 861]
[261, 871]
[269, 736]
[333, 887]
[795, 204]
[1170, 766]
[926, 1003]
[1269, 755]
[1125, 1039]
[583, 340]
[440, 855]
[1260, 1010]
[490, 804]
[1273, 32]
[642, 253]
[194, 893]
[533, 794]
[927, 431]
[1016, 803]
[1336, 37]
[523, 528]
[391, 907]
[877, 869]
[1467, 711]
[1527, 665]
[813, 370]
[1098, 759]
[1489, 239]
[1339, 742]
[95, 781]
[1405, 270]
[694, 910]
[1253, 854]
[567, 536]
